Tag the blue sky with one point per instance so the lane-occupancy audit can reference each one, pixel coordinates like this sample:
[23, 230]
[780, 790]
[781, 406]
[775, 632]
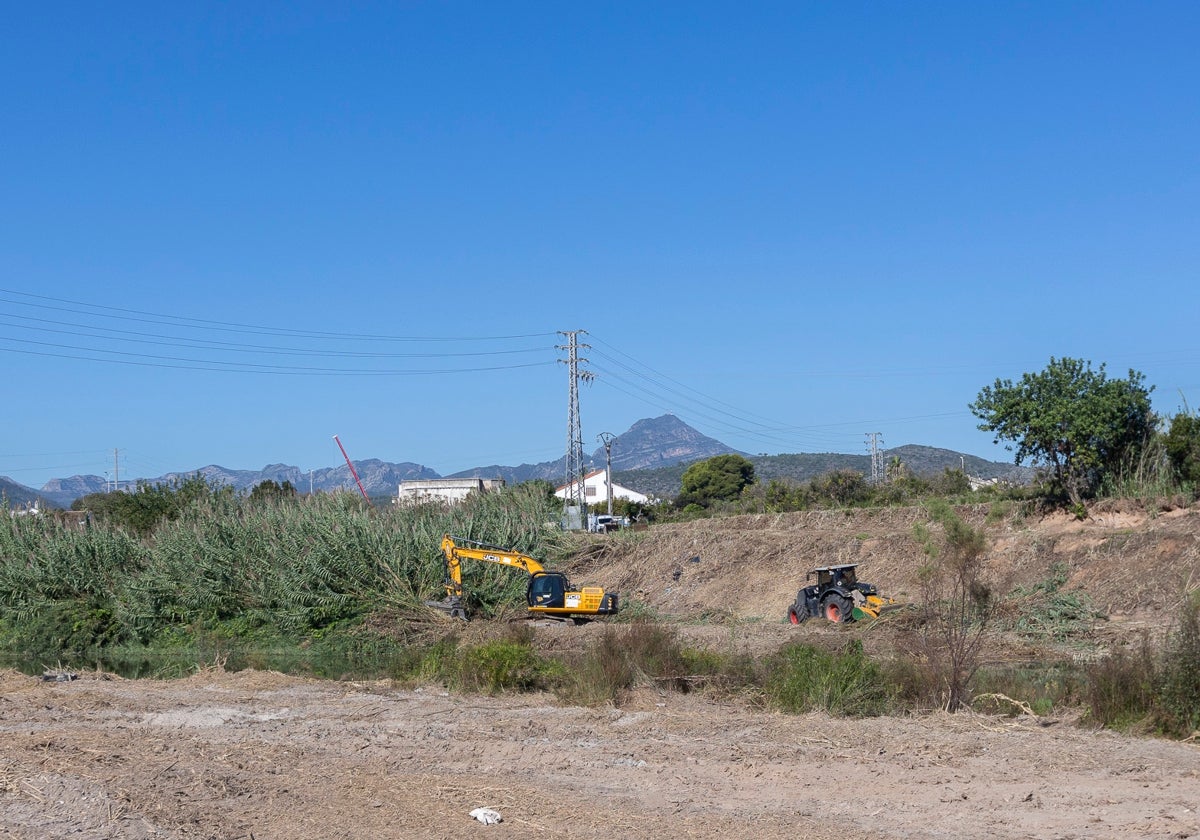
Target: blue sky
[231, 231]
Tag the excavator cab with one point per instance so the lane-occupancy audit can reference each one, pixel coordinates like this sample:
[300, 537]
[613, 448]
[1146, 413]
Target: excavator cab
[547, 590]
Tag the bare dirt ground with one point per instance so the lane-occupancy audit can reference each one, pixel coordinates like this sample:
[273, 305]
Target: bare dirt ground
[263, 755]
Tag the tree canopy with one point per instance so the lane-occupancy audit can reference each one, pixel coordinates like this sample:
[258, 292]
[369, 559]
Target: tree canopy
[142, 510]
[1072, 419]
[720, 478]
[1183, 446]
[269, 490]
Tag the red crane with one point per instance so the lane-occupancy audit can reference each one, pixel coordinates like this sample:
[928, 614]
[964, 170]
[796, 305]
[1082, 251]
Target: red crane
[353, 471]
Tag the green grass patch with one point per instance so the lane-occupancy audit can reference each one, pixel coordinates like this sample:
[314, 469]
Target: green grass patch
[1120, 692]
[802, 678]
[1040, 688]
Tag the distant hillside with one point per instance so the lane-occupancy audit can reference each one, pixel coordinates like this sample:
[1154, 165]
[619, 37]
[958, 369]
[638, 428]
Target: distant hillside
[380, 478]
[18, 495]
[666, 482]
[661, 442]
[650, 457]
[63, 491]
[658, 442]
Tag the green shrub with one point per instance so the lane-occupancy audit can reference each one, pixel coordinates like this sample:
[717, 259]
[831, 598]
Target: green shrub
[956, 602]
[626, 656]
[500, 665]
[998, 511]
[199, 558]
[59, 629]
[1120, 691]
[1179, 680]
[803, 678]
[634, 611]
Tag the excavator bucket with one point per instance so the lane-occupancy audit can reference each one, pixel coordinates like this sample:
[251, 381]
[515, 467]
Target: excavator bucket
[451, 606]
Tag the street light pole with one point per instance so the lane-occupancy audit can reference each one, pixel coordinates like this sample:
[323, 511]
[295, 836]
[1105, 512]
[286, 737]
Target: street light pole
[607, 438]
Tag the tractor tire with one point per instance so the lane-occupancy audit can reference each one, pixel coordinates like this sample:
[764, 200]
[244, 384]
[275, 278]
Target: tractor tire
[795, 616]
[838, 610]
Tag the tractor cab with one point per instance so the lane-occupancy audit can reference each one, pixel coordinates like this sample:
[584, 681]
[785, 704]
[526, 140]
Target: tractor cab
[843, 576]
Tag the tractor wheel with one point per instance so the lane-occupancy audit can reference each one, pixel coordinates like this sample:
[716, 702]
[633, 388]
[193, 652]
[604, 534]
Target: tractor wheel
[795, 616]
[838, 609]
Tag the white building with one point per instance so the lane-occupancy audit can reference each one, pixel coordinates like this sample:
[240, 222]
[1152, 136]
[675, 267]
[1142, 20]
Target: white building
[595, 490]
[448, 490]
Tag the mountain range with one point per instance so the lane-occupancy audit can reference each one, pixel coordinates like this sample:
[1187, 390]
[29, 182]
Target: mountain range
[650, 457]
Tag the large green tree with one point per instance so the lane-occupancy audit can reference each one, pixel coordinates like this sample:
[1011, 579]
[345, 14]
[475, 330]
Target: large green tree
[271, 491]
[720, 478]
[1183, 446]
[1072, 419]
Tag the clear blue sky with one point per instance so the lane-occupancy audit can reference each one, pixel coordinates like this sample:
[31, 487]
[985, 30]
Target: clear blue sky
[231, 231]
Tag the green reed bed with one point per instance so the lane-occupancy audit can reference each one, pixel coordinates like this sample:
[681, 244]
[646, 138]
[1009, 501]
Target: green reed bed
[279, 570]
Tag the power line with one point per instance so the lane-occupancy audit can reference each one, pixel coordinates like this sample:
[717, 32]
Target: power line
[212, 351]
[242, 367]
[656, 389]
[225, 326]
[226, 346]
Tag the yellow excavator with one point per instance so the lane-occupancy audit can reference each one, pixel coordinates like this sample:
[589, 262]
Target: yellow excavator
[549, 594]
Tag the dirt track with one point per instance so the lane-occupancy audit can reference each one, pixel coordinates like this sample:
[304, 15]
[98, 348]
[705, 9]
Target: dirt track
[262, 755]
[254, 754]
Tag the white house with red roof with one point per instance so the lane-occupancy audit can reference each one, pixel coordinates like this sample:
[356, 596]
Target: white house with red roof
[595, 490]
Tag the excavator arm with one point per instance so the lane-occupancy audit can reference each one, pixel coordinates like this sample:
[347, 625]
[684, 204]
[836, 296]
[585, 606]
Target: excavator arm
[455, 550]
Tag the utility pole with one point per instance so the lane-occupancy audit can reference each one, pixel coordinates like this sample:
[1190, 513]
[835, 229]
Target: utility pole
[607, 438]
[873, 441]
[116, 470]
[575, 496]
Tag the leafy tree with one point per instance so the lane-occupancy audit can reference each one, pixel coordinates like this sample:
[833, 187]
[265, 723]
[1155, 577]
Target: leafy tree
[842, 488]
[952, 482]
[1183, 446]
[142, 510]
[896, 469]
[782, 495]
[270, 490]
[720, 478]
[622, 508]
[1071, 418]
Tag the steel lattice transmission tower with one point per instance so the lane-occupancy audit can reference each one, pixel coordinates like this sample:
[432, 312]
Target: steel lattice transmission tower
[873, 441]
[575, 495]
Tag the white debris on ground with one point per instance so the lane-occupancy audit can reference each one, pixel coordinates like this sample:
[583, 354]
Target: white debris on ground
[487, 816]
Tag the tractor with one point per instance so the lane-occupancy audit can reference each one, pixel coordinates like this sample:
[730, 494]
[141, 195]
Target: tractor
[838, 596]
